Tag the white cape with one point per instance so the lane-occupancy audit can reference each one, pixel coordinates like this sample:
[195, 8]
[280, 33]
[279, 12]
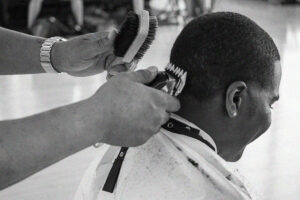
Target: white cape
[160, 170]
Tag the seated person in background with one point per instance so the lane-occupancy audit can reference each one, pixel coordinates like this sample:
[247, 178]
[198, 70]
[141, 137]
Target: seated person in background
[199, 7]
[35, 6]
[233, 76]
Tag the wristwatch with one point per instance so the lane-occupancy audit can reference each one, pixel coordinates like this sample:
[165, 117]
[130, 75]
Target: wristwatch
[45, 54]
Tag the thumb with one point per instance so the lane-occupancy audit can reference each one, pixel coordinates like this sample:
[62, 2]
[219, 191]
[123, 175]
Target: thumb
[143, 76]
[115, 70]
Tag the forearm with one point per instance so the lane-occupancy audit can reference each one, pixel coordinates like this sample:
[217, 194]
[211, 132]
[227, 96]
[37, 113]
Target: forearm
[19, 53]
[30, 144]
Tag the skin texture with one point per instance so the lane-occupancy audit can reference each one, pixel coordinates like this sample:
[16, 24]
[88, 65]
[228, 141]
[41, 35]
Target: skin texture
[122, 112]
[84, 55]
[237, 118]
[75, 58]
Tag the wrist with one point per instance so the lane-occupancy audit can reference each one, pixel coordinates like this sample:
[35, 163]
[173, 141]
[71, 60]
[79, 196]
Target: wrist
[91, 118]
[56, 56]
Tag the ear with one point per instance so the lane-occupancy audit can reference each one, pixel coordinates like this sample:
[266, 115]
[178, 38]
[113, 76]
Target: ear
[234, 97]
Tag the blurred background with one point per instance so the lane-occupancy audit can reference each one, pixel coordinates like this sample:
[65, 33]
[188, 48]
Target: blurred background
[271, 164]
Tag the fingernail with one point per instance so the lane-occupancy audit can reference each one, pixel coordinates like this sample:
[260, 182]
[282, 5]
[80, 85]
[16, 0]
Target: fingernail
[153, 69]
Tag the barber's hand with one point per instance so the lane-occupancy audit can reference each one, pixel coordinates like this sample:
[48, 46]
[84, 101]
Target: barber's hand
[85, 55]
[132, 111]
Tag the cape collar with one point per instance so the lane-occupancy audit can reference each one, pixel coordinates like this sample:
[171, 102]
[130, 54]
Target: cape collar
[179, 125]
[176, 125]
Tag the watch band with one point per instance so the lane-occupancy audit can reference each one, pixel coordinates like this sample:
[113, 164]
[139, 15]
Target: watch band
[45, 54]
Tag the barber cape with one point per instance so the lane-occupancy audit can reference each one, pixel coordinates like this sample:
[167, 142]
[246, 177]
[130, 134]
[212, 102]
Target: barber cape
[169, 166]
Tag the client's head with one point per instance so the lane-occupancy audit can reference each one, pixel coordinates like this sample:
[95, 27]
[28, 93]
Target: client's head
[233, 79]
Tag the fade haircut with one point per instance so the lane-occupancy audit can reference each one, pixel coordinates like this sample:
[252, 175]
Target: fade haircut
[220, 48]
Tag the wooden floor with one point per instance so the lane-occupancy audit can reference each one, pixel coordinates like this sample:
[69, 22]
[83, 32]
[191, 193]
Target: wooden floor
[271, 164]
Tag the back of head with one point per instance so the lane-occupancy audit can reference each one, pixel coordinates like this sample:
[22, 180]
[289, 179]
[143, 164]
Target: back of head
[220, 48]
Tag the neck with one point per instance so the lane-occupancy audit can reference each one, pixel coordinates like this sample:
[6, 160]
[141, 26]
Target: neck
[208, 117]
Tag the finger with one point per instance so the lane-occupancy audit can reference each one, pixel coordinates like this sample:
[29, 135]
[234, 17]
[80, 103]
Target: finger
[142, 76]
[116, 69]
[113, 68]
[172, 103]
[165, 118]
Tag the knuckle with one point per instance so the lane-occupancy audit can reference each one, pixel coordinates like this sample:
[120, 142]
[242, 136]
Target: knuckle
[157, 121]
[176, 102]
[165, 117]
[156, 128]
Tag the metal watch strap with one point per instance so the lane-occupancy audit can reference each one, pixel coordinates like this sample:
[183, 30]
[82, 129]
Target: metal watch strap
[45, 54]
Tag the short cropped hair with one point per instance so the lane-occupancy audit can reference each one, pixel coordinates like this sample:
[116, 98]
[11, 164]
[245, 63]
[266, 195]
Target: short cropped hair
[220, 48]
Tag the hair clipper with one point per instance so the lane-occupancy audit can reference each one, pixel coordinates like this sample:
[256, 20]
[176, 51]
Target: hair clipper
[171, 81]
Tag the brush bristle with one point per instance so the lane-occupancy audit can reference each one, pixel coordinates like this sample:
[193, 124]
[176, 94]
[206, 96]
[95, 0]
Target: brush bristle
[179, 74]
[128, 32]
[153, 24]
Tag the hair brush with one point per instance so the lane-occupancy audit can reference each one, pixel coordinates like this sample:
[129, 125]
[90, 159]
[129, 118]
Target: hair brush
[134, 38]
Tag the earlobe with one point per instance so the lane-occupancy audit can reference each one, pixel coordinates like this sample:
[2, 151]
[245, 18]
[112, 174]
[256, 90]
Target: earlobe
[234, 97]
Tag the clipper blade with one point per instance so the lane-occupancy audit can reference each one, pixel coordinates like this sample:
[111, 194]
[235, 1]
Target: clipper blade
[180, 78]
[171, 81]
